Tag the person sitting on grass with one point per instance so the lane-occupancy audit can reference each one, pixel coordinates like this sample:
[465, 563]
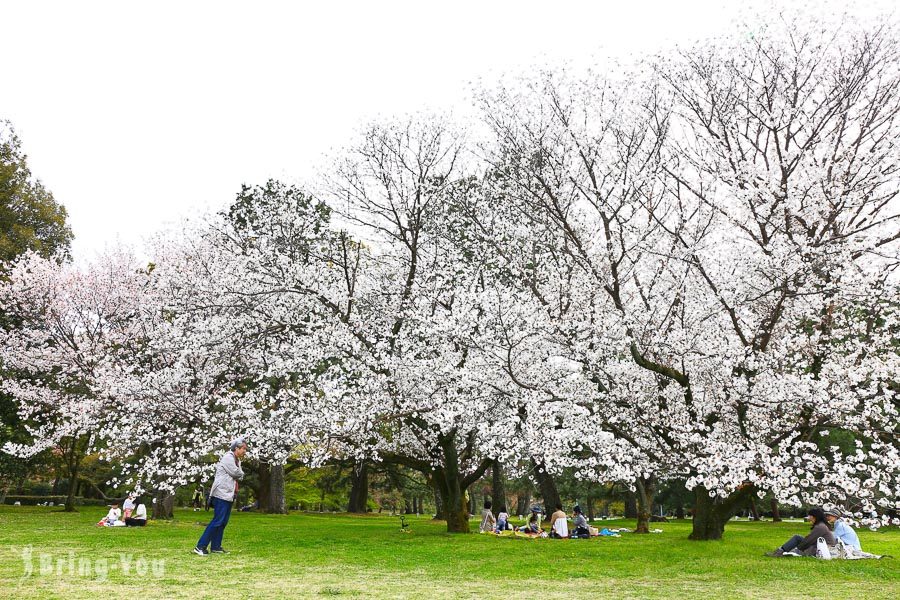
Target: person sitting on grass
[533, 526]
[487, 518]
[806, 546]
[581, 528]
[139, 518]
[503, 520]
[557, 514]
[842, 530]
[128, 507]
[111, 517]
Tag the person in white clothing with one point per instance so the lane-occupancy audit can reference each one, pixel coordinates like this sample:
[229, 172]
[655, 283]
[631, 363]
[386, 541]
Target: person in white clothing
[112, 516]
[139, 518]
[128, 507]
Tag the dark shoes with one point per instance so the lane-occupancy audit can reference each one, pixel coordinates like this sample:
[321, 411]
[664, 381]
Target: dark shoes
[775, 553]
[219, 551]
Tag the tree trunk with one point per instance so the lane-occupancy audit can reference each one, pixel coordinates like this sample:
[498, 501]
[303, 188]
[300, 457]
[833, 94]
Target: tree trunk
[359, 488]
[20, 487]
[679, 512]
[711, 514]
[163, 505]
[275, 503]
[74, 461]
[776, 514]
[498, 486]
[439, 513]
[645, 489]
[264, 491]
[415, 505]
[55, 489]
[547, 487]
[522, 502]
[631, 511]
[407, 506]
[453, 494]
[3, 491]
[590, 508]
[754, 511]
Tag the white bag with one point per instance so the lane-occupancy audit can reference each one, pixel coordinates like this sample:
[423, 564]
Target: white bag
[822, 550]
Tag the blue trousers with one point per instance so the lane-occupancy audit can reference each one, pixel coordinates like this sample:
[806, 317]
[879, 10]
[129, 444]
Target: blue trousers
[216, 528]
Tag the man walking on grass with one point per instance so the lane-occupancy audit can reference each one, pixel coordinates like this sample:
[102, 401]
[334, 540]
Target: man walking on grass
[222, 497]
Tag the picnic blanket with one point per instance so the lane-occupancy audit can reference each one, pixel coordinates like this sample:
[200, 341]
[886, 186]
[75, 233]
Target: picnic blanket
[840, 551]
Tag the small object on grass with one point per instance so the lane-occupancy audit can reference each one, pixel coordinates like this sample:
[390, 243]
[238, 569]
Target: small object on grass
[404, 526]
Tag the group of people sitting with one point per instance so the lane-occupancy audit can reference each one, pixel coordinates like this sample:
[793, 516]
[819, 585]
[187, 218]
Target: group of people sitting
[830, 526]
[559, 525]
[133, 514]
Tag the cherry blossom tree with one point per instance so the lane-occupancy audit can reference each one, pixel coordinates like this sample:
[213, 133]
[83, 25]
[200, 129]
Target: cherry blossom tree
[73, 326]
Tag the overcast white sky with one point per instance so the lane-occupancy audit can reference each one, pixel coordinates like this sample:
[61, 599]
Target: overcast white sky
[136, 114]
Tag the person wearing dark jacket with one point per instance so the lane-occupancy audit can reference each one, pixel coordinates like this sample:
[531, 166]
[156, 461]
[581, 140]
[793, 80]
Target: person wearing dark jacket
[806, 546]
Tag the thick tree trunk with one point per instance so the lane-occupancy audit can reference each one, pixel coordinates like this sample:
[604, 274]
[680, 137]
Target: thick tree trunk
[276, 504]
[164, 505]
[776, 514]
[74, 461]
[452, 493]
[546, 486]
[711, 514]
[679, 512]
[264, 491]
[3, 491]
[590, 508]
[498, 486]
[631, 511]
[645, 488]
[55, 489]
[359, 488]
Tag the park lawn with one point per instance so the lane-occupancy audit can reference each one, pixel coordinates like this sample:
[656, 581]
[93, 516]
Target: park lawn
[312, 555]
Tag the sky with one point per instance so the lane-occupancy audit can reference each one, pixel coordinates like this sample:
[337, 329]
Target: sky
[137, 115]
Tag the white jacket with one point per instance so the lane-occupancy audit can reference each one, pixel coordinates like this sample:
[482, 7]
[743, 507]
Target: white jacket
[228, 471]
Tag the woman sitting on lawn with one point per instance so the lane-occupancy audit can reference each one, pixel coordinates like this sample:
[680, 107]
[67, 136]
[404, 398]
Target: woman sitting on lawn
[582, 530]
[534, 523]
[806, 546]
[487, 518]
[842, 531]
[503, 520]
[139, 518]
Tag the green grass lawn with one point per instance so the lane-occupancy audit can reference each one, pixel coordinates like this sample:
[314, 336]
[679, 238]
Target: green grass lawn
[310, 556]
